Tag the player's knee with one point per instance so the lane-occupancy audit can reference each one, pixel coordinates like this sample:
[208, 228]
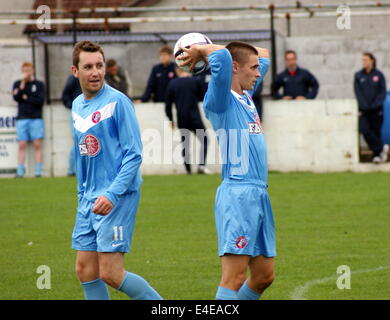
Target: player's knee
[37, 145]
[263, 282]
[241, 279]
[270, 279]
[110, 278]
[22, 145]
[86, 272]
[234, 282]
[80, 270]
[106, 276]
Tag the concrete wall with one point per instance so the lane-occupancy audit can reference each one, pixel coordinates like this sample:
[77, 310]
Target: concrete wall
[162, 149]
[14, 31]
[335, 59]
[318, 136]
[12, 55]
[316, 26]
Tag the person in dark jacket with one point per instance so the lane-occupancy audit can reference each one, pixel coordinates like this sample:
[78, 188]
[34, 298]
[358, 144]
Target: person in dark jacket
[29, 93]
[160, 77]
[370, 92]
[70, 92]
[115, 77]
[297, 83]
[258, 100]
[204, 79]
[185, 91]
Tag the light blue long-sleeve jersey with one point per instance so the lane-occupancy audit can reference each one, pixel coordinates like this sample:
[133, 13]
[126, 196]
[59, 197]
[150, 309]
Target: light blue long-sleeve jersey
[236, 122]
[107, 144]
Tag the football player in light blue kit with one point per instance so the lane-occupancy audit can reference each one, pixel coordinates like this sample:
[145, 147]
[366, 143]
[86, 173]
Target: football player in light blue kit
[243, 214]
[108, 158]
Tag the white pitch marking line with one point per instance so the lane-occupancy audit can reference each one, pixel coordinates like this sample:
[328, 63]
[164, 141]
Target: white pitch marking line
[299, 292]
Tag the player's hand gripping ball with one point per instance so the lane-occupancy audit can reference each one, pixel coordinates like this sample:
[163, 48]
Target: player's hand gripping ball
[187, 41]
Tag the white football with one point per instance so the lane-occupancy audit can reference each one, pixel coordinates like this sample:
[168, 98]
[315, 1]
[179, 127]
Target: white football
[187, 41]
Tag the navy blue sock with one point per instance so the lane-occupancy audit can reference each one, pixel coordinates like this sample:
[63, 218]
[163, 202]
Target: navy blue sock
[138, 288]
[95, 290]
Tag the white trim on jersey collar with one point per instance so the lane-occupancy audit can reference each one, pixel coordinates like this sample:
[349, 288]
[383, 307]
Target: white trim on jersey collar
[84, 124]
[241, 99]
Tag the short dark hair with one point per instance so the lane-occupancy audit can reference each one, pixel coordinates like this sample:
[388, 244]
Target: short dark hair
[110, 63]
[166, 49]
[240, 51]
[371, 56]
[86, 46]
[27, 64]
[290, 52]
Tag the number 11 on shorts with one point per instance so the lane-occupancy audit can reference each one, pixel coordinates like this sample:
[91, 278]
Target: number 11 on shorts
[118, 235]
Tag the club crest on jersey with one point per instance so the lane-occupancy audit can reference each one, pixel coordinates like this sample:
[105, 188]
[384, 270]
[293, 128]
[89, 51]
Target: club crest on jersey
[241, 242]
[96, 116]
[90, 146]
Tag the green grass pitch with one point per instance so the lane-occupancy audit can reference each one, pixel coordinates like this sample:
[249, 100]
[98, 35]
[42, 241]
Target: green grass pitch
[322, 221]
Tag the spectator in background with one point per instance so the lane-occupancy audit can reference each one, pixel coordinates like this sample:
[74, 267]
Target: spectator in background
[115, 77]
[258, 100]
[370, 91]
[70, 92]
[160, 76]
[204, 79]
[297, 83]
[185, 91]
[29, 93]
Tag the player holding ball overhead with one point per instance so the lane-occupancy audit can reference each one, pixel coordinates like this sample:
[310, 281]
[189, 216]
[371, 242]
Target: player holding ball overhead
[243, 214]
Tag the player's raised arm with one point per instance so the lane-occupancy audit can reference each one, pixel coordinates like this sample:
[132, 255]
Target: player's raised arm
[264, 62]
[198, 52]
[263, 52]
[221, 66]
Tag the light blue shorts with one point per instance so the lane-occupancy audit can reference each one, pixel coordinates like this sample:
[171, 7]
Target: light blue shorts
[29, 129]
[110, 233]
[244, 219]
